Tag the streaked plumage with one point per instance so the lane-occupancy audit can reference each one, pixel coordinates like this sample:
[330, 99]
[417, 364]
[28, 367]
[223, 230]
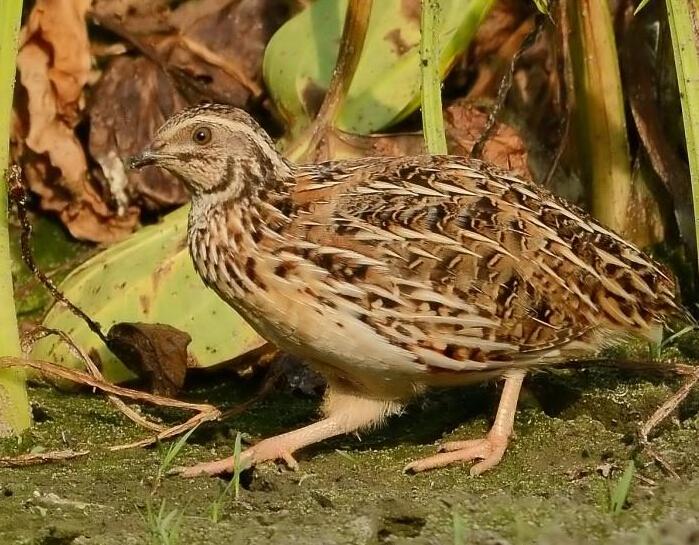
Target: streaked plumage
[390, 275]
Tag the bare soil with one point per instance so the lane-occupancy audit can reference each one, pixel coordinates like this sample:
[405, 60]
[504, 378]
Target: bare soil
[575, 434]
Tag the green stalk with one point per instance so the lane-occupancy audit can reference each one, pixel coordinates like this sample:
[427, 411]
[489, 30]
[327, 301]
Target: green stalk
[600, 116]
[431, 89]
[351, 47]
[683, 16]
[14, 405]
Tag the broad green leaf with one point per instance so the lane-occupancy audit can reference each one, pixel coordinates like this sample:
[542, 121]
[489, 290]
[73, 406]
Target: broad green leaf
[149, 277]
[300, 58]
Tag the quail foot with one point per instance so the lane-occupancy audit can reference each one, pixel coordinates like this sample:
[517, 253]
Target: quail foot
[393, 275]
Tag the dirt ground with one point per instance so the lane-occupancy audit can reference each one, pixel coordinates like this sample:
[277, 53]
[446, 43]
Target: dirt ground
[575, 434]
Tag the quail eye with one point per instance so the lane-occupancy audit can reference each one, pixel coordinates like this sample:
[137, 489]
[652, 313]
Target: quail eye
[202, 135]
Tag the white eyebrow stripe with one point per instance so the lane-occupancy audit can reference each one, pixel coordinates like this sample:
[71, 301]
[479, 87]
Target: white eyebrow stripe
[258, 137]
[236, 126]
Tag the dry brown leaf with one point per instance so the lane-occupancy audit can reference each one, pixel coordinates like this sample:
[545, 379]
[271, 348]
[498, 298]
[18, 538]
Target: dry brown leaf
[464, 123]
[137, 16]
[156, 352]
[133, 98]
[54, 63]
[505, 148]
[221, 43]
[54, 67]
[210, 49]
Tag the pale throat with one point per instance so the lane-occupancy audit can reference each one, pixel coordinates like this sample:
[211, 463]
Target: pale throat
[230, 227]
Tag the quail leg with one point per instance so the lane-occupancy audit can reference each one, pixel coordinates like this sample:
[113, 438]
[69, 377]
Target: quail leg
[345, 413]
[491, 448]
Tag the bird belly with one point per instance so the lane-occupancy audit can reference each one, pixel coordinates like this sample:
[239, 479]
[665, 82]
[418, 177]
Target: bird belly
[334, 341]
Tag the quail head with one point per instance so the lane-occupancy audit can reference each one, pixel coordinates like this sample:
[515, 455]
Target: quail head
[393, 275]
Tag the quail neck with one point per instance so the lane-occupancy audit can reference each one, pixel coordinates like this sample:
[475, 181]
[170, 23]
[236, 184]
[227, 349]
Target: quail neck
[392, 275]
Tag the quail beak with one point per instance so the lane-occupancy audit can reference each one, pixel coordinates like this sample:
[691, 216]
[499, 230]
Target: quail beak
[145, 158]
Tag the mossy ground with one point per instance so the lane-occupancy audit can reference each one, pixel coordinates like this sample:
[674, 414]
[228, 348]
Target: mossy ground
[551, 487]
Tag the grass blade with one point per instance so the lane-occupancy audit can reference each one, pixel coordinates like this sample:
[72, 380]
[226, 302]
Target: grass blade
[683, 17]
[171, 453]
[233, 484]
[14, 405]
[163, 526]
[618, 495]
[640, 6]
[459, 529]
[543, 6]
[431, 82]
[237, 470]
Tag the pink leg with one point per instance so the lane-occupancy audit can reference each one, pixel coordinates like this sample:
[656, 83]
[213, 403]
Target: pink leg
[489, 449]
[345, 413]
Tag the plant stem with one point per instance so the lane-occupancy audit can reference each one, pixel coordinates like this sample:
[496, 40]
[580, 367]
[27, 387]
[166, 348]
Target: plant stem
[351, 46]
[431, 88]
[600, 115]
[683, 16]
[14, 405]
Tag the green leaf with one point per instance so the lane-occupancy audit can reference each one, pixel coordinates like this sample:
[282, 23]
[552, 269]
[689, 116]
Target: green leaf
[543, 6]
[300, 58]
[149, 277]
[682, 16]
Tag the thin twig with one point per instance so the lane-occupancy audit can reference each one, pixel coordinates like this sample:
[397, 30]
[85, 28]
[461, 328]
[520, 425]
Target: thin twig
[18, 194]
[568, 88]
[205, 412]
[32, 459]
[503, 90]
[174, 431]
[41, 331]
[663, 412]
[351, 45]
[53, 370]
[678, 369]
[268, 385]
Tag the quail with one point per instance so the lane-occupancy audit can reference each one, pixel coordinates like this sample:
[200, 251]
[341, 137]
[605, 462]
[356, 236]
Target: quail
[393, 275]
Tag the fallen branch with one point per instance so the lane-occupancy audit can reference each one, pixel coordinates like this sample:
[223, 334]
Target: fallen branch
[664, 411]
[31, 459]
[40, 458]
